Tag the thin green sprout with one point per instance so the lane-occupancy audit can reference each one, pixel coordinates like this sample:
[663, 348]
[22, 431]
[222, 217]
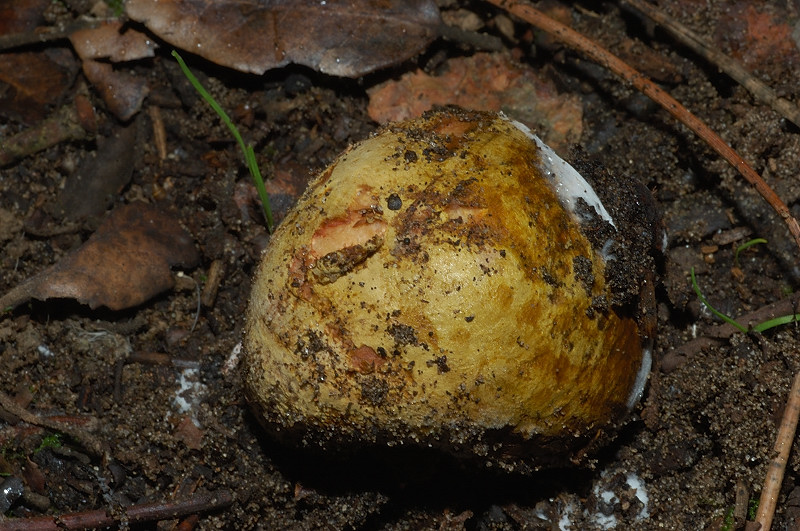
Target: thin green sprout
[752, 509]
[728, 520]
[778, 321]
[49, 441]
[744, 246]
[711, 308]
[247, 150]
[760, 327]
[116, 7]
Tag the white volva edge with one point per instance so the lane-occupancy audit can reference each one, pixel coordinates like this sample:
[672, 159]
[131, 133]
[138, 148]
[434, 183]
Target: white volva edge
[568, 183]
[641, 377]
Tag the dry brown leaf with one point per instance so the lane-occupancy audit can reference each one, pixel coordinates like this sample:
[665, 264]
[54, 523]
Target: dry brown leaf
[123, 264]
[17, 16]
[110, 40]
[101, 176]
[760, 39]
[337, 37]
[486, 82]
[123, 93]
[189, 434]
[34, 82]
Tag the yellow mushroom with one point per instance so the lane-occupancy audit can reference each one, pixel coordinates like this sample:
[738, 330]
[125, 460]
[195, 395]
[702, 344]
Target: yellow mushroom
[451, 282]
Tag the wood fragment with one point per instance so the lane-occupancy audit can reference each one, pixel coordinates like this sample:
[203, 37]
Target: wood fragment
[742, 504]
[80, 434]
[73, 121]
[215, 273]
[159, 358]
[730, 66]
[474, 39]
[144, 512]
[777, 466]
[159, 132]
[600, 55]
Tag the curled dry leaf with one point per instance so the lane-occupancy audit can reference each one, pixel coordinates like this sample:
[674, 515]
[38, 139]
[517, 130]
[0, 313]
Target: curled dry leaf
[337, 37]
[486, 82]
[123, 264]
[31, 81]
[122, 93]
[109, 40]
[759, 36]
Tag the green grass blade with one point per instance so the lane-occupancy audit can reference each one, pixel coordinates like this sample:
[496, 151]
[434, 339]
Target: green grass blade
[744, 246]
[778, 321]
[711, 308]
[260, 187]
[249, 154]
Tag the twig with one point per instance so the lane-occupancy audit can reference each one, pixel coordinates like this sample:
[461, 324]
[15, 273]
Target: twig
[214, 278]
[158, 358]
[159, 132]
[605, 58]
[777, 467]
[728, 65]
[742, 504]
[82, 436]
[144, 512]
[74, 121]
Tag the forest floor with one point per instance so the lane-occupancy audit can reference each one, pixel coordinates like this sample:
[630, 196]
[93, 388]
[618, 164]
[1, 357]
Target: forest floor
[155, 387]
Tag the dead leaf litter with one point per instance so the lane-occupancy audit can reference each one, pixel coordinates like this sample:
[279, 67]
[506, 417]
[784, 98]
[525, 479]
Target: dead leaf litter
[147, 384]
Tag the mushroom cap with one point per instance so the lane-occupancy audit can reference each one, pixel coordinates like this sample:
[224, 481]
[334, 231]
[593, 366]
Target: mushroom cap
[436, 285]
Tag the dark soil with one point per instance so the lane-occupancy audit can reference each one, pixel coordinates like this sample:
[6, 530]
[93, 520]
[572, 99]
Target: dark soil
[704, 430]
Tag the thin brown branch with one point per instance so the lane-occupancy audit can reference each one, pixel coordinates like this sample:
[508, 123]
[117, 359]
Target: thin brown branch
[73, 121]
[728, 65]
[145, 512]
[81, 435]
[605, 58]
[777, 466]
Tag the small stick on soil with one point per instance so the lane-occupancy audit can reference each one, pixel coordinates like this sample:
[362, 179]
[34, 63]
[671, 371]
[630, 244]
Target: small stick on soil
[145, 512]
[81, 436]
[214, 278]
[159, 358]
[741, 505]
[605, 58]
[728, 65]
[74, 121]
[777, 467]
[159, 132]
[480, 41]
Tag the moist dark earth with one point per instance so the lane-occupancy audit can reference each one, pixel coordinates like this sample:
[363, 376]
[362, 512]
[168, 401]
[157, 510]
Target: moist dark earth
[705, 427]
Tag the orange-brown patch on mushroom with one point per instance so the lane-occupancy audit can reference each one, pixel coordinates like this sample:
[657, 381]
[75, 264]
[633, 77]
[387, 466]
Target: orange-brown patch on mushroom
[342, 243]
[362, 222]
[364, 359]
[466, 213]
[454, 129]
